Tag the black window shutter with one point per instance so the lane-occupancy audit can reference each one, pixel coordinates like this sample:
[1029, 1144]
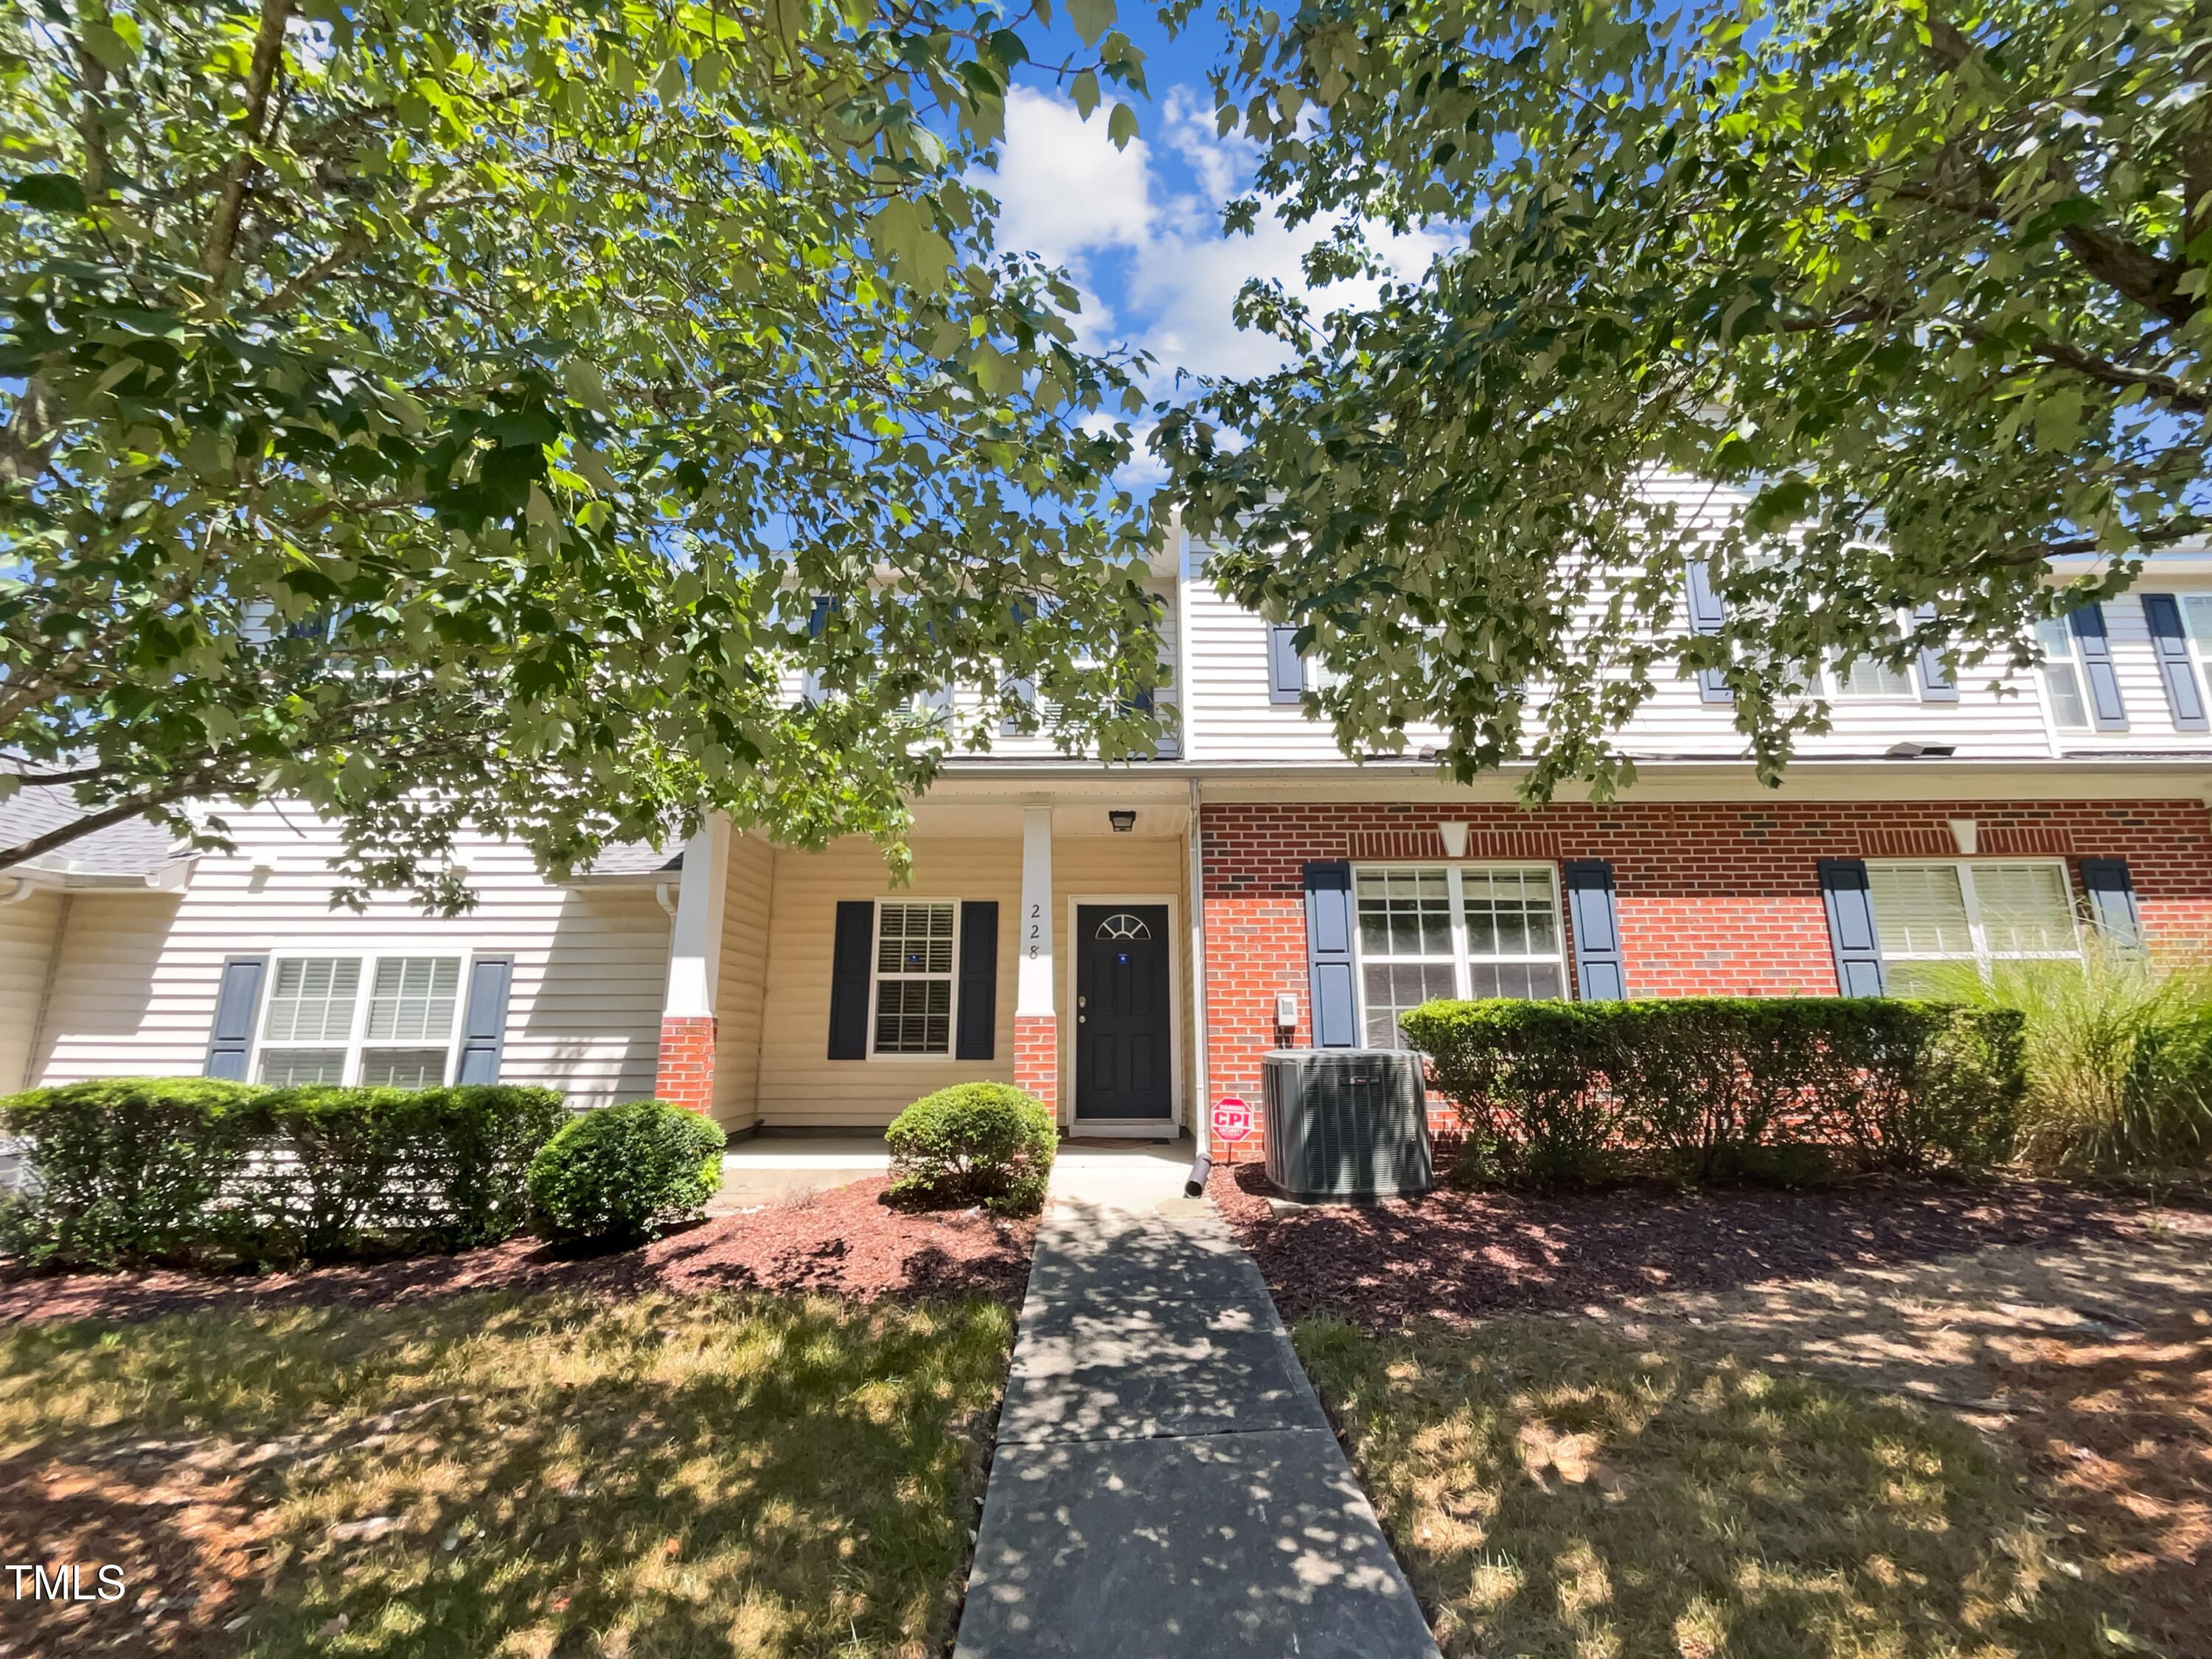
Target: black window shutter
[1851, 933]
[1328, 956]
[2183, 696]
[2106, 712]
[1594, 907]
[848, 979]
[1707, 616]
[236, 1001]
[1935, 684]
[977, 1038]
[2112, 893]
[1286, 669]
[484, 1031]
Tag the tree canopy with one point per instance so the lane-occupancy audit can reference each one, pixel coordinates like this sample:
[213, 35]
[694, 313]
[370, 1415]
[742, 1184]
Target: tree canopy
[1917, 289]
[483, 413]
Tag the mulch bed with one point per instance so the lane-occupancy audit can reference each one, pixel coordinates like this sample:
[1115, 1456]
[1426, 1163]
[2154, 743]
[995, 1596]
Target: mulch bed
[839, 1242]
[1462, 1255]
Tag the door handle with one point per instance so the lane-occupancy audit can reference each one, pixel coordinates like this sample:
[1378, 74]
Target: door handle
[1083, 1019]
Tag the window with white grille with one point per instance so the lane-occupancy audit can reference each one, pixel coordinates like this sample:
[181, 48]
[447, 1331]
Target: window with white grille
[1454, 931]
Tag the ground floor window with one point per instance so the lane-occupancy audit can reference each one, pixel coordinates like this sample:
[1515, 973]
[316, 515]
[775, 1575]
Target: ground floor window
[376, 1021]
[1937, 919]
[1453, 931]
[914, 977]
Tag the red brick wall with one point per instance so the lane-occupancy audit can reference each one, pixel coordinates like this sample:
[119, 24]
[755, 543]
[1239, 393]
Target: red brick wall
[1037, 1058]
[687, 1062]
[1718, 900]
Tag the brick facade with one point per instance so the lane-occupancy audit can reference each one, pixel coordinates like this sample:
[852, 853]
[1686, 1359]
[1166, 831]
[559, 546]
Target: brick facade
[687, 1062]
[1037, 1058]
[1715, 900]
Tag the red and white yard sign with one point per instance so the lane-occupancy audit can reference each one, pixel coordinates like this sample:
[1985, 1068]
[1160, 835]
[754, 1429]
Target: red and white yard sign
[1232, 1121]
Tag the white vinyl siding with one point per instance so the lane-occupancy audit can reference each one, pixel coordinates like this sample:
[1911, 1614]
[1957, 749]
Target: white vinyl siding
[1935, 917]
[28, 926]
[1453, 931]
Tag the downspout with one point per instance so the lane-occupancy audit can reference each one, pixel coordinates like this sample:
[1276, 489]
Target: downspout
[1202, 1124]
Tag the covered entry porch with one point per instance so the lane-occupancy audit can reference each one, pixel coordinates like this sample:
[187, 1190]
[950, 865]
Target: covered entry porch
[1042, 940]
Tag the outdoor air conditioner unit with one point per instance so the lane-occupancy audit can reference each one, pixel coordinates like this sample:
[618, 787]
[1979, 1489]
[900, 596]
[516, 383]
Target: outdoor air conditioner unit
[1346, 1122]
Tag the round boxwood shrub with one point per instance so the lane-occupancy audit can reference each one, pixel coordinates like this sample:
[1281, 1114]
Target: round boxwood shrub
[975, 1143]
[622, 1173]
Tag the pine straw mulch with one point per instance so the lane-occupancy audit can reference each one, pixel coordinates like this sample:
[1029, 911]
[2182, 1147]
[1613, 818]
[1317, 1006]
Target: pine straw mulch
[841, 1242]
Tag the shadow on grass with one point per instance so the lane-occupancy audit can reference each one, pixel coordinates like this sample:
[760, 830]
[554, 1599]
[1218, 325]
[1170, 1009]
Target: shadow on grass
[673, 1476]
[1551, 1491]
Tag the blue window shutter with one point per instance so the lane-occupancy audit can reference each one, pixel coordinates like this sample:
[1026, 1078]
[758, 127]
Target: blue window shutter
[977, 1036]
[1851, 933]
[2106, 712]
[484, 1031]
[236, 1001]
[1935, 684]
[1328, 956]
[1707, 616]
[2183, 696]
[848, 979]
[1286, 669]
[1594, 907]
[2112, 893]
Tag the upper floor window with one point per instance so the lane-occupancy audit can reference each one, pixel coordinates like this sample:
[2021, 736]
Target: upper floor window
[1869, 677]
[2062, 674]
[1454, 931]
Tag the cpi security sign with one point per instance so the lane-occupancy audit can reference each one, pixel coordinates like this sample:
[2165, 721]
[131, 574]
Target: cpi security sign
[1232, 1120]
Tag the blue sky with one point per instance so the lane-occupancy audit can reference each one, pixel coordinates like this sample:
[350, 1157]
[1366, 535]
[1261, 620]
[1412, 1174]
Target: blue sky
[1140, 228]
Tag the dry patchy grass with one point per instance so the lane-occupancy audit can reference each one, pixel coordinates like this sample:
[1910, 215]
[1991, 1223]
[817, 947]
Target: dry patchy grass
[556, 1475]
[1556, 1492]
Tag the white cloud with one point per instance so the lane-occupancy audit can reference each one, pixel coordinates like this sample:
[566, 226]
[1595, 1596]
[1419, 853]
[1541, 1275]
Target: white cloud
[1145, 246]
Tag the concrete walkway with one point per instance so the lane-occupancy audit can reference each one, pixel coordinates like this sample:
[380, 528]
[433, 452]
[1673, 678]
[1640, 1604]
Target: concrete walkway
[1165, 1482]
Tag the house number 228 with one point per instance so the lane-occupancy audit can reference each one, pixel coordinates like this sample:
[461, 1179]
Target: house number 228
[1036, 931]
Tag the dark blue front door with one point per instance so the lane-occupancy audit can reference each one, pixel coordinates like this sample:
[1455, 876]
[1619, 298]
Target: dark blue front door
[1124, 1064]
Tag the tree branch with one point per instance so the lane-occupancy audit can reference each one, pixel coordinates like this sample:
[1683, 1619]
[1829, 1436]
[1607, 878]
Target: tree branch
[119, 812]
[230, 206]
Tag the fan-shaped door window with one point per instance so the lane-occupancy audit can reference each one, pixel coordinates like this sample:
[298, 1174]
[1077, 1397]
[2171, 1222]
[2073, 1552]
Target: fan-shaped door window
[1122, 925]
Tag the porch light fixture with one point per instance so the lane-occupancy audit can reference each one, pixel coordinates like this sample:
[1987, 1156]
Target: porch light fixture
[1123, 820]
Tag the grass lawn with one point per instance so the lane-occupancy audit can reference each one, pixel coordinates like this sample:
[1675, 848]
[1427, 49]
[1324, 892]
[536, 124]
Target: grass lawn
[1556, 1490]
[489, 1475]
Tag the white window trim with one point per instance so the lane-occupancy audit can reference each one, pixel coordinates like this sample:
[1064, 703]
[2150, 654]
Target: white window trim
[2070, 659]
[1461, 963]
[356, 1041]
[875, 956]
[1983, 958]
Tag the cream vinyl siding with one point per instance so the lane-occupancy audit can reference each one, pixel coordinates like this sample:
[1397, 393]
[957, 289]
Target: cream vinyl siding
[743, 986]
[26, 944]
[800, 1086]
[133, 993]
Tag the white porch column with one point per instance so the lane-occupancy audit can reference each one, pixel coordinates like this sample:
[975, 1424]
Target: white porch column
[695, 962]
[1037, 1025]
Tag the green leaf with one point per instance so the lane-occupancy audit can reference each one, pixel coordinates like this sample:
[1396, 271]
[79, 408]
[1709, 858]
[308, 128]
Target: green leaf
[1091, 18]
[50, 193]
[1121, 125]
[1085, 93]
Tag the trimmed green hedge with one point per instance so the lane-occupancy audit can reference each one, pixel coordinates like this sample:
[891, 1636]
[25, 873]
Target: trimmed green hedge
[623, 1173]
[181, 1169]
[975, 1143]
[1724, 1088]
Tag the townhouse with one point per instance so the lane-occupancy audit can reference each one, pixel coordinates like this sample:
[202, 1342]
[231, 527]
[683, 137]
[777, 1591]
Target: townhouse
[1127, 942]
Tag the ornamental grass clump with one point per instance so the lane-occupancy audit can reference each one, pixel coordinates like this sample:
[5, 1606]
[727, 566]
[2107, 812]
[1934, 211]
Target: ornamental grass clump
[625, 1173]
[975, 1143]
[2119, 1061]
